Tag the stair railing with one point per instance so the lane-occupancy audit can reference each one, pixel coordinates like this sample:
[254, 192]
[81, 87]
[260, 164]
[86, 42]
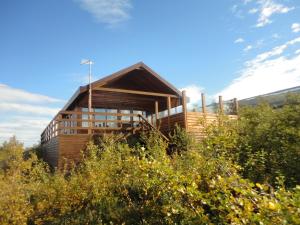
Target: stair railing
[149, 126]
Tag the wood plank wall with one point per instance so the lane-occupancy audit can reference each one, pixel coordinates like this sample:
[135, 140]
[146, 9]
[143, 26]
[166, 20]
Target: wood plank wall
[164, 125]
[193, 123]
[50, 152]
[70, 147]
[194, 126]
[64, 146]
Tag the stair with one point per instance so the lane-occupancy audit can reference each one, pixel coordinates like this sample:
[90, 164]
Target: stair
[145, 125]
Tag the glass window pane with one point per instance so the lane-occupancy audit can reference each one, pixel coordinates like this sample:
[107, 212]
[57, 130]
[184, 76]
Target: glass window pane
[126, 118]
[85, 117]
[100, 117]
[112, 118]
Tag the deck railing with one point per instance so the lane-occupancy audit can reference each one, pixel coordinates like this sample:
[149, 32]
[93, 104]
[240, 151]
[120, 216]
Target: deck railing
[74, 122]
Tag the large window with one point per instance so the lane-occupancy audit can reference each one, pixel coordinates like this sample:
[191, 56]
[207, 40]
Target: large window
[111, 118]
[100, 117]
[108, 119]
[85, 117]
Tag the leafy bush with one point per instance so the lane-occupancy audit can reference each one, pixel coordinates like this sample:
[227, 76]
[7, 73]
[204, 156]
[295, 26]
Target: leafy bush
[269, 142]
[119, 184]
[264, 141]
[179, 141]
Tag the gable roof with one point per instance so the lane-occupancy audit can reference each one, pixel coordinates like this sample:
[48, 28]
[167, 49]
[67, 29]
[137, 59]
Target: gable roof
[122, 75]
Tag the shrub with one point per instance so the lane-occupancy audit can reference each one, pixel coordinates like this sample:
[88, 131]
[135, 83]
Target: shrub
[268, 142]
[115, 185]
[179, 141]
[264, 141]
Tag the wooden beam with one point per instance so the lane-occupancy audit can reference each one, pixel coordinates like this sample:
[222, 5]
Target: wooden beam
[134, 92]
[221, 106]
[236, 105]
[184, 109]
[156, 113]
[169, 111]
[203, 103]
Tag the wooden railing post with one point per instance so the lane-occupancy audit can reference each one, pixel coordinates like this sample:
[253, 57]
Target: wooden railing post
[184, 109]
[236, 105]
[203, 103]
[169, 111]
[89, 123]
[131, 121]
[221, 105]
[156, 113]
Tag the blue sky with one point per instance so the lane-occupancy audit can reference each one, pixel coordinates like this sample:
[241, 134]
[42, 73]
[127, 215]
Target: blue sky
[237, 48]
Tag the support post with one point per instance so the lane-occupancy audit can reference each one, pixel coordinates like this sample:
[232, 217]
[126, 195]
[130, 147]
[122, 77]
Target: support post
[90, 117]
[156, 113]
[119, 118]
[236, 105]
[90, 98]
[131, 121]
[221, 106]
[169, 111]
[203, 103]
[184, 109]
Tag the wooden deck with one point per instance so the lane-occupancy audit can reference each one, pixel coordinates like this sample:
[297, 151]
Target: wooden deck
[68, 133]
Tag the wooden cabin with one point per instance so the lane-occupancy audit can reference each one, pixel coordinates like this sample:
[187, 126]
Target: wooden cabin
[132, 100]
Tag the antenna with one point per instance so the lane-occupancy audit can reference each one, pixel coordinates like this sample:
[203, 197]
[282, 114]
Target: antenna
[90, 63]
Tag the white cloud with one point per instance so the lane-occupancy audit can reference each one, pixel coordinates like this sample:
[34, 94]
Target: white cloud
[276, 51]
[110, 12]
[16, 95]
[266, 9]
[275, 36]
[237, 11]
[297, 51]
[17, 108]
[26, 129]
[25, 114]
[295, 27]
[253, 10]
[193, 92]
[248, 48]
[247, 1]
[239, 40]
[267, 72]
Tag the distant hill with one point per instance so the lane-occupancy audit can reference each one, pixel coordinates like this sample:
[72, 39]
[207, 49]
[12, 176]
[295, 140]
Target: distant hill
[274, 98]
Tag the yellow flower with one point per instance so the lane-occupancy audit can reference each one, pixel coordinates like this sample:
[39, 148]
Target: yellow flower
[272, 206]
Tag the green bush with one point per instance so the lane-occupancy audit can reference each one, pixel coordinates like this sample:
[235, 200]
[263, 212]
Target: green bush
[264, 141]
[269, 142]
[119, 184]
[179, 141]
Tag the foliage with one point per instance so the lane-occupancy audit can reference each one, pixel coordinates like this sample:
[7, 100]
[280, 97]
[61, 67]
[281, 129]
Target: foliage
[119, 184]
[179, 141]
[264, 141]
[269, 142]
[220, 137]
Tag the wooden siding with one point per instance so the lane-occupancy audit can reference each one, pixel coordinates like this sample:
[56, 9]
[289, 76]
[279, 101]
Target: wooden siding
[109, 99]
[174, 119]
[50, 152]
[194, 126]
[70, 147]
[64, 147]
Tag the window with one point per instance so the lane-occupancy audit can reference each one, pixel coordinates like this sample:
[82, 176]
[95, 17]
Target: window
[112, 117]
[100, 117]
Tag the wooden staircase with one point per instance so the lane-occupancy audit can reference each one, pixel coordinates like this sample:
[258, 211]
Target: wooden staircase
[146, 126]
